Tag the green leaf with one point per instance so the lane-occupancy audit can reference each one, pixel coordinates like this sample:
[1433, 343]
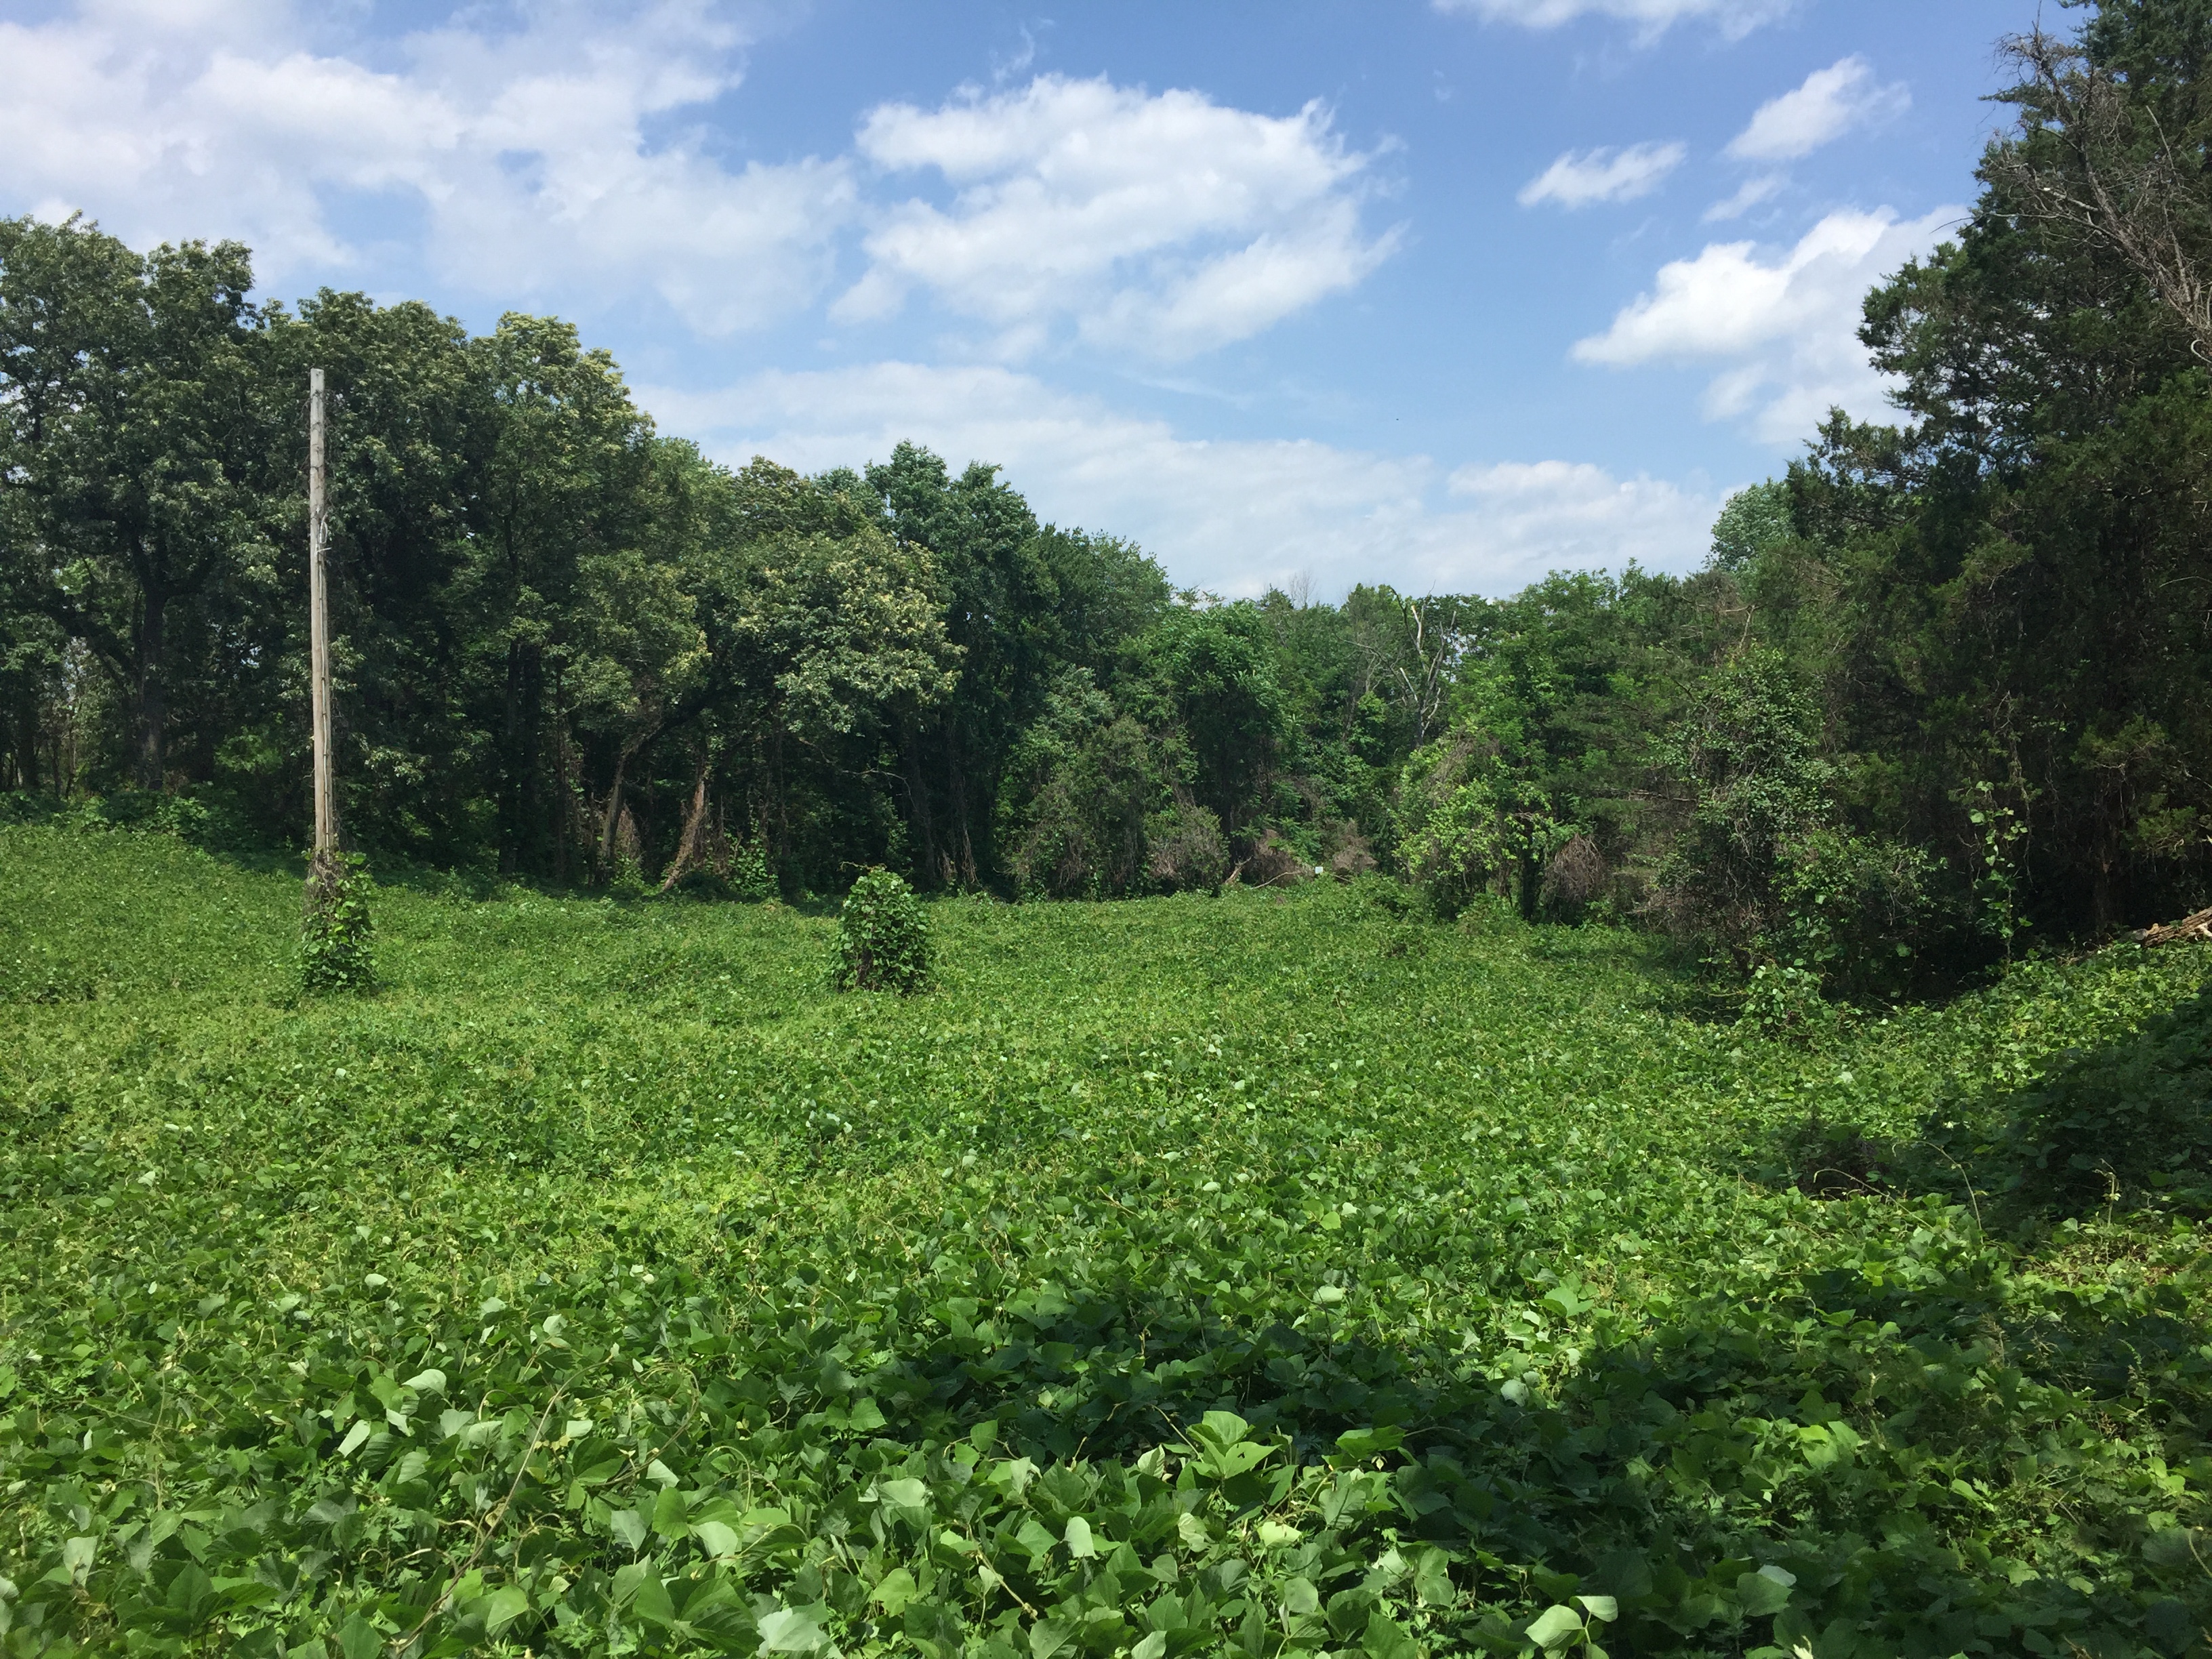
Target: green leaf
[1360, 1444]
[1079, 1543]
[1385, 1638]
[795, 1629]
[1603, 1608]
[904, 1495]
[718, 1539]
[1432, 1580]
[1764, 1592]
[359, 1639]
[1554, 1628]
[356, 1438]
[894, 1590]
[1152, 1646]
[1050, 1637]
[672, 1515]
[503, 1607]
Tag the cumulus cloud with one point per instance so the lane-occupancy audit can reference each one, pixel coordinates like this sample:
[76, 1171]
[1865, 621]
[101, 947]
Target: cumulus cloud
[1234, 517]
[1785, 322]
[522, 149]
[1733, 18]
[1583, 176]
[1831, 103]
[1165, 222]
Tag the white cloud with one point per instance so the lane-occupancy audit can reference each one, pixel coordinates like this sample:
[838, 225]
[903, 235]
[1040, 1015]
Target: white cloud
[1573, 515]
[1786, 324]
[1830, 103]
[1234, 516]
[522, 149]
[1762, 187]
[1167, 223]
[1733, 18]
[1581, 177]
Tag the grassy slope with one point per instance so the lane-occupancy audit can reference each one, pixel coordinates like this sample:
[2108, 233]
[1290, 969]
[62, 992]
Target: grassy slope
[1287, 1156]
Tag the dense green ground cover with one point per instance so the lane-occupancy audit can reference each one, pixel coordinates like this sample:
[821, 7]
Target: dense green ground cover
[1269, 1273]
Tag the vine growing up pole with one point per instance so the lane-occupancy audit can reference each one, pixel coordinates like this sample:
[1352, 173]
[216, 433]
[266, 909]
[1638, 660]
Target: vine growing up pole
[336, 926]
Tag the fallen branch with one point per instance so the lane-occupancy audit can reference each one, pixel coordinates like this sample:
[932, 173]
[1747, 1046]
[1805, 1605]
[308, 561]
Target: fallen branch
[2197, 929]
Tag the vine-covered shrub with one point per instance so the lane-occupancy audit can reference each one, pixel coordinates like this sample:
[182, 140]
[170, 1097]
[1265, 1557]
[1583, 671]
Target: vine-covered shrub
[336, 928]
[883, 940]
[750, 881]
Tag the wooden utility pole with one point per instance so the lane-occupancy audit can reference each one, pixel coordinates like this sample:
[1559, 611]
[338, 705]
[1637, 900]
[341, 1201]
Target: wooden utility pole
[319, 623]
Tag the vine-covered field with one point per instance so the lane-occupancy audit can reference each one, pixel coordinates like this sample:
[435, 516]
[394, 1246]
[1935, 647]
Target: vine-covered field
[1268, 1274]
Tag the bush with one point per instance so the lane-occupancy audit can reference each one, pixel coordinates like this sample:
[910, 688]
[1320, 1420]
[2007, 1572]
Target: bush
[336, 928]
[750, 879]
[883, 940]
[1467, 820]
[1849, 904]
[1786, 1002]
[1184, 851]
[1575, 878]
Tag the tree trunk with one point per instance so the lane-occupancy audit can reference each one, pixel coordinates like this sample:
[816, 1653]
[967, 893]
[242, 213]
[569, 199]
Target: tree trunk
[956, 787]
[925, 821]
[150, 714]
[613, 813]
[522, 820]
[695, 830]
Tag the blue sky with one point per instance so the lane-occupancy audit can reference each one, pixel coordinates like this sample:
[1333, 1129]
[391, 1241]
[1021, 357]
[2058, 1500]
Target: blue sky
[1442, 293]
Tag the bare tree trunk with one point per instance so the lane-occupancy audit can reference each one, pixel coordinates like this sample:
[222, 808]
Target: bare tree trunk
[614, 811]
[151, 713]
[917, 789]
[688, 852]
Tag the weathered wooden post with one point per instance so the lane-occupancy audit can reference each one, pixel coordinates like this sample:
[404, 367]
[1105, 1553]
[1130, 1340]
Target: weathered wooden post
[318, 626]
[336, 928]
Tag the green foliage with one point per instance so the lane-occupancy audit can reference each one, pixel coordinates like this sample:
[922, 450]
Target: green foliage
[1846, 907]
[749, 880]
[883, 938]
[1747, 753]
[1079, 788]
[2115, 1125]
[1190, 1274]
[1752, 524]
[1786, 1002]
[1468, 825]
[337, 930]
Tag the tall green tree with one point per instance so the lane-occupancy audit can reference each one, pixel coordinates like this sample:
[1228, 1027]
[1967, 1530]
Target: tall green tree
[131, 452]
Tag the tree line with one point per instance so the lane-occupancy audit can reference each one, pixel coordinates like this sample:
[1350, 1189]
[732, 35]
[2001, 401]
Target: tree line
[1940, 692]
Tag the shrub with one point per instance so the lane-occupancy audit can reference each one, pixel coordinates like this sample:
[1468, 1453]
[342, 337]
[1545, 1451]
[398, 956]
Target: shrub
[1848, 904]
[1575, 878]
[1748, 751]
[337, 928]
[1467, 820]
[750, 879]
[1786, 1002]
[1273, 863]
[883, 940]
[1184, 851]
[1073, 804]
